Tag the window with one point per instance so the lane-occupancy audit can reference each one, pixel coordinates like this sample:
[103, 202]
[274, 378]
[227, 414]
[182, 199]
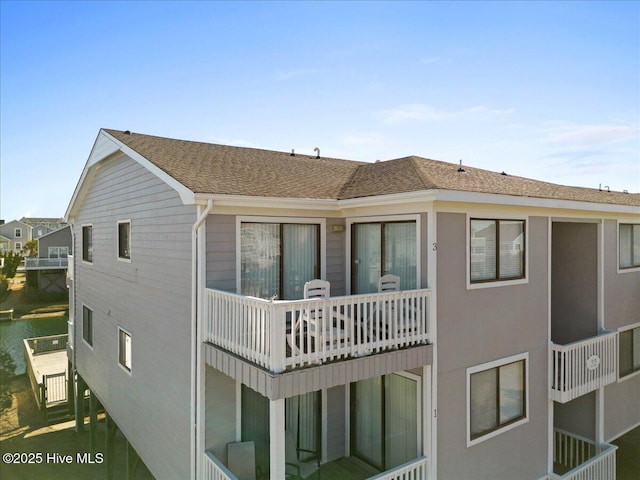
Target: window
[497, 250]
[629, 245]
[87, 325]
[124, 349]
[58, 252]
[277, 259]
[629, 351]
[497, 397]
[382, 248]
[87, 243]
[18, 246]
[17, 233]
[124, 240]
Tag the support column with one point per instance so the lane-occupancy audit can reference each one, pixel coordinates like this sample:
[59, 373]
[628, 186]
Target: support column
[93, 422]
[81, 386]
[70, 388]
[276, 438]
[111, 429]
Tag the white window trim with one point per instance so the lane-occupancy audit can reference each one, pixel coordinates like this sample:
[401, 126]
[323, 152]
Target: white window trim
[123, 259]
[631, 375]
[17, 232]
[83, 339]
[17, 246]
[240, 219]
[60, 251]
[496, 216]
[623, 270]
[124, 368]
[379, 219]
[82, 227]
[488, 366]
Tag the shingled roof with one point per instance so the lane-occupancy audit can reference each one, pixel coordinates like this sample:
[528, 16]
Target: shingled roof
[219, 169]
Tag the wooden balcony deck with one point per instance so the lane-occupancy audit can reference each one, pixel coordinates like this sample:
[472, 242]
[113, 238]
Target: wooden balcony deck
[47, 364]
[264, 331]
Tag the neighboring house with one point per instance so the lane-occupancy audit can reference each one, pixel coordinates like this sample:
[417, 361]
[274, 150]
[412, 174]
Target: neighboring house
[511, 350]
[42, 226]
[17, 233]
[4, 244]
[48, 271]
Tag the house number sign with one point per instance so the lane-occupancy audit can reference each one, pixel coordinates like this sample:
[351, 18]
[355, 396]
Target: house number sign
[593, 362]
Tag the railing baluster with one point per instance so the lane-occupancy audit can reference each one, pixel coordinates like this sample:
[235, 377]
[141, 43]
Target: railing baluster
[373, 322]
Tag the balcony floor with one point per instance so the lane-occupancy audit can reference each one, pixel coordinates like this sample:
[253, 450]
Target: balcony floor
[346, 468]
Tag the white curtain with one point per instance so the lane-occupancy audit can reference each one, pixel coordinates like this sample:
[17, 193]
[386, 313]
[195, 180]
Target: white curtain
[367, 257]
[260, 259]
[483, 250]
[367, 421]
[401, 423]
[300, 262]
[511, 248]
[269, 249]
[400, 256]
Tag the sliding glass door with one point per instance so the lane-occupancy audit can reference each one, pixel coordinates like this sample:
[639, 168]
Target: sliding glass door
[277, 259]
[385, 420]
[381, 248]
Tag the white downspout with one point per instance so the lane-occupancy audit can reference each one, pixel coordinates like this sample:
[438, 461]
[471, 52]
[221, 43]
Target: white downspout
[195, 339]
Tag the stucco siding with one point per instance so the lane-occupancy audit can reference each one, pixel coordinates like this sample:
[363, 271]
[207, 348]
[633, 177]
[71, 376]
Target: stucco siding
[149, 297]
[476, 326]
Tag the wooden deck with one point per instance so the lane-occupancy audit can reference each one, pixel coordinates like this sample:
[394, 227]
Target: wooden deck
[347, 468]
[47, 367]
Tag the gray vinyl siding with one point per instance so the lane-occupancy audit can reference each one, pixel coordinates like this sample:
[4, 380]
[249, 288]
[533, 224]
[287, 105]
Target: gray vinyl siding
[574, 281]
[476, 326]
[621, 308]
[221, 252]
[58, 238]
[150, 298]
[305, 380]
[621, 290]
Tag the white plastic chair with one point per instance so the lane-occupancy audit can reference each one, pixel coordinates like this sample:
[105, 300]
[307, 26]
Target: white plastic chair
[324, 325]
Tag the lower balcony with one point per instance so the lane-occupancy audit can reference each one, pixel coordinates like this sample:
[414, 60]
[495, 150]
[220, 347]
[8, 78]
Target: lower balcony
[340, 469]
[286, 335]
[582, 367]
[45, 263]
[577, 458]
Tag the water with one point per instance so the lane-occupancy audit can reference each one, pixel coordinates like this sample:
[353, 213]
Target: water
[12, 334]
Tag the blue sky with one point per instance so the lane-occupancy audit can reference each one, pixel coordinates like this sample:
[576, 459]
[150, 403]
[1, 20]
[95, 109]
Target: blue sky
[547, 90]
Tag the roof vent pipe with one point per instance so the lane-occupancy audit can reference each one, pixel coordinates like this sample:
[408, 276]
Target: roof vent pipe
[317, 150]
[461, 169]
[293, 153]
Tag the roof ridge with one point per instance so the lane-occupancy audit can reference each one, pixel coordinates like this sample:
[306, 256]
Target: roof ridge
[222, 145]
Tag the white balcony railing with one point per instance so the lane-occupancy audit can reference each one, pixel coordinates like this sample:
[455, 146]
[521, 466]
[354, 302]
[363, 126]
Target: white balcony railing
[264, 332]
[414, 470]
[582, 367]
[581, 459]
[213, 469]
[40, 263]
